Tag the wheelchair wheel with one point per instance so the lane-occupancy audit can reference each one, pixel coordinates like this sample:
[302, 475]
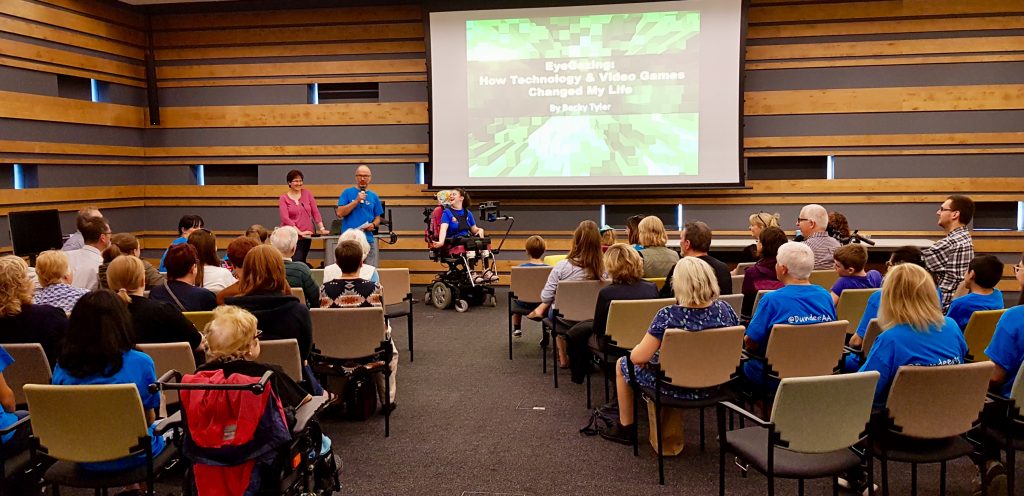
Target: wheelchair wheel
[461, 306]
[428, 298]
[442, 296]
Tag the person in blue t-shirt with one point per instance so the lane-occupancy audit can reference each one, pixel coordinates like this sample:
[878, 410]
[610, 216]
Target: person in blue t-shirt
[97, 349]
[983, 273]
[458, 221]
[535, 248]
[186, 225]
[359, 208]
[1007, 347]
[849, 264]
[916, 332]
[798, 302]
[9, 414]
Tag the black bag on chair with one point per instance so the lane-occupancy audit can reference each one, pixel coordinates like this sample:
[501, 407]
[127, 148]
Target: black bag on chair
[360, 396]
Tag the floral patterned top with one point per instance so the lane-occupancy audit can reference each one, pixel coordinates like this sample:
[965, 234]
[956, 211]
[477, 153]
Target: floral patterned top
[351, 293]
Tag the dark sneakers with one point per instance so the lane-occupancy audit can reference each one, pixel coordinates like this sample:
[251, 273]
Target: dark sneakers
[622, 434]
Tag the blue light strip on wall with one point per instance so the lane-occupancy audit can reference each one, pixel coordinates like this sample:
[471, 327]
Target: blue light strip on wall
[314, 94]
[679, 217]
[603, 221]
[1020, 216]
[830, 167]
[94, 90]
[199, 171]
[421, 173]
[19, 177]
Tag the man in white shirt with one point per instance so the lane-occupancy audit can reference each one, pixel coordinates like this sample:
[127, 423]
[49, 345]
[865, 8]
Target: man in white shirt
[85, 262]
[75, 241]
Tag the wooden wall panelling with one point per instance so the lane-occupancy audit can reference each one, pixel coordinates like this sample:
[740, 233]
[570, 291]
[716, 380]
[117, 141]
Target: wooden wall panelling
[392, 31]
[45, 147]
[104, 10]
[284, 150]
[342, 114]
[987, 44]
[54, 69]
[324, 49]
[329, 68]
[69, 20]
[841, 152]
[347, 15]
[99, 66]
[71, 38]
[1008, 138]
[868, 62]
[193, 83]
[54, 109]
[835, 11]
[951, 24]
[900, 99]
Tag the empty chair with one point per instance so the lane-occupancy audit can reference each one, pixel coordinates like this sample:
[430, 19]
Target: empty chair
[524, 294]
[794, 444]
[285, 354]
[199, 319]
[398, 298]
[979, 331]
[914, 430]
[824, 278]
[851, 306]
[30, 367]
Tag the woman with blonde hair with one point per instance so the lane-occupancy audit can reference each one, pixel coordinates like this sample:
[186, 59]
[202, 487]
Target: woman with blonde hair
[54, 275]
[625, 269]
[154, 321]
[658, 258]
[915, 331]
[21, 321]
[127, 244]
[264, 291]
[697, 308]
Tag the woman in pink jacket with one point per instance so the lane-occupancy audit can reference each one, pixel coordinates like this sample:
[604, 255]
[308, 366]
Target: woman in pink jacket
[298, 208]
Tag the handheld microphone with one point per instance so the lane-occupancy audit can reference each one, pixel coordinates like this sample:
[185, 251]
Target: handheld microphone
[363, 189]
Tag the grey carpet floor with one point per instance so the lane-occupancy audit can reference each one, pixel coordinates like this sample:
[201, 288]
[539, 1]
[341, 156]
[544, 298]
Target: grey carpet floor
[471, 422]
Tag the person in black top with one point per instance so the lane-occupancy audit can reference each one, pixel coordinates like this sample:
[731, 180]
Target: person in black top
[180, 288]
[264, 292]
[153, 321]
[625, 268]
[20, 320]
[695, 241]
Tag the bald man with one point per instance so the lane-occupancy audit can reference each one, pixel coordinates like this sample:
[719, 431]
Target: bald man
[360, 208]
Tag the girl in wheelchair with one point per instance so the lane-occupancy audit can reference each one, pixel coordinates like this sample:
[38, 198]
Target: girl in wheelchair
[457, 223]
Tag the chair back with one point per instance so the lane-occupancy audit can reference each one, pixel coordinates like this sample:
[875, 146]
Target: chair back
[199, 319]
[395, 284]
[318, 276]
[628, 320]
[658, 281]
[841, 406]
[1017, 390]
[553, 259]
[851, 306]
[298, 293]
[701, 359]
[757, 300]
[870, 334]
[806, 350]
[912, 400]
[528, 282]
[30, 367]
[743, 265]
[737, 286]
[734, 300]
[348, 332]
[106, 423]
[979, 331]
[285, 354]
[575, 300]
[170, 356]
[824, 278]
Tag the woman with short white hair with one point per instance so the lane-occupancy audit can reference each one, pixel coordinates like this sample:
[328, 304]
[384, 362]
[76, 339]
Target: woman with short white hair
[54, 276]
[285, 239]
[368, 272]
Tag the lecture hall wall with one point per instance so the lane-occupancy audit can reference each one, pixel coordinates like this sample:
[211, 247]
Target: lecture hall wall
[914, 99]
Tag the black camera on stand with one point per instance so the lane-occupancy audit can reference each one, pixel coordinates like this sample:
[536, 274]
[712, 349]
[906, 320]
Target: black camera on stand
[490, 211]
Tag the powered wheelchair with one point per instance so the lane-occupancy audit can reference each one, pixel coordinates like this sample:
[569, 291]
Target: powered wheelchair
[458, 286]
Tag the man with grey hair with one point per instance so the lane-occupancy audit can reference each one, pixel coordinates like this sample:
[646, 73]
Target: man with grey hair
[813, 223]
[285, 238]
[75, 241]
[798, 302]
[360, 208]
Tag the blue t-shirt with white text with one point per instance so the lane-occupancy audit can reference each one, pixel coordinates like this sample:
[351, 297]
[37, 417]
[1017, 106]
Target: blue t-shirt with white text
[961, 309]
[795, 304]
[1007, 347]
[364, 211]
[902, 345]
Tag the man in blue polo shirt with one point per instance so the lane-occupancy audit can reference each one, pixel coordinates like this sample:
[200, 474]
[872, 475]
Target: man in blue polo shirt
[798, 302]
[360, 208]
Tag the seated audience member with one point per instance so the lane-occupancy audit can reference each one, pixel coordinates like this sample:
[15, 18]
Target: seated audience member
[697, 308]
[19, 439]
[20, 320]
[695, 241]
[813, 224]
[285, 239]
[535, 248]
[76, 241]
[607, 237]
[849, 264]
[633, 231]
[186, 225]
[366, 271]
[127, 244]
[264, 291]
[55, 278]
[583, 263]
[98, 350]
[797, 302]
[625, 269]
[758, 222]
[210, 274]
[1007, 347]
[916, 332]
[258, 232]
[658, 258]
[154, 321]
[238, 248]
[352, 291]
[180, 288]
[85, 261]
[983, 273]
[762, 275]
[949, 257]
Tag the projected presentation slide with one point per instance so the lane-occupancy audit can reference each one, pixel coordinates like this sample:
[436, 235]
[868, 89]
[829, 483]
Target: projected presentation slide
[597, 95]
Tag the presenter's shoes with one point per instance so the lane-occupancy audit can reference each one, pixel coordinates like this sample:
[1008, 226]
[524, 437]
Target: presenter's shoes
[993, 480]
[622, 434]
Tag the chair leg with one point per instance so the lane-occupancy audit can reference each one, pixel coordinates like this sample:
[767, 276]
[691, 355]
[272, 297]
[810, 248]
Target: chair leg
[871, 475]
[604, 373]
[800, 487]
[544, 349]
[835, 485]
[913, 479]
[1011, 466]
[771, 483]
[885, 476]
[387, 404]
[701, 429]
[721, 469]
[661, 452]
[554, 356]
[942, 478]
[588, 391]
[509, 325]
[636, 430]
[409, 323]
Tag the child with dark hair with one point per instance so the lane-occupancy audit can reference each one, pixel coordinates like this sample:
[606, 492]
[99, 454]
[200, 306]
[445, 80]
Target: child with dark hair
[850, 261]
[983, 273]
[97, 349]
[535, 248]
[186, 225]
